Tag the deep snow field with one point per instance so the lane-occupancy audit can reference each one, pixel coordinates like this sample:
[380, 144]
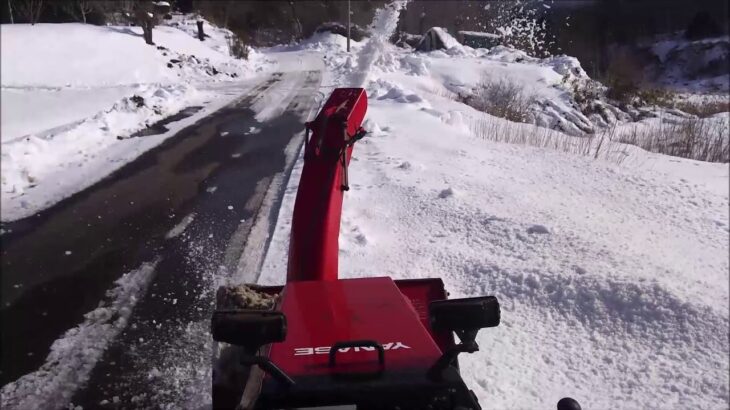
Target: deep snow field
[613, 275]
[612, 271]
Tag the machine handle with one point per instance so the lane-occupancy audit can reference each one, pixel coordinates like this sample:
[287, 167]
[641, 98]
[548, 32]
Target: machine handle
[357, 343]
[270, 368]
[352, 139]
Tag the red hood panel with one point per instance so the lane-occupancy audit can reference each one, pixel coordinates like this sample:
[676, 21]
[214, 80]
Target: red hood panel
[321, 313]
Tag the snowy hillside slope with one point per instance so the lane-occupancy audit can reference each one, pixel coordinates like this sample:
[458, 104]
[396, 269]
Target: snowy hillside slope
[693, 66]
[542, 91]
[459, 71]
[71, 91]
[612, 277]
[553, 92]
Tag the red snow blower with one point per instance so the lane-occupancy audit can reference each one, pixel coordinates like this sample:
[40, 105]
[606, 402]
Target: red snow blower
[367, 343]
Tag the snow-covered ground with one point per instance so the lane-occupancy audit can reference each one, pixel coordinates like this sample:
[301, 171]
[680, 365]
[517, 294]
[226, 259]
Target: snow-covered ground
[613, 275]
[68, 89]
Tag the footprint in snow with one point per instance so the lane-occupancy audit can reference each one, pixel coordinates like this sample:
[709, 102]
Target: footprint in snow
[491, 219]
[358, 236]
[361, 239]
[579, 270]
[538, 229]
[446, 193]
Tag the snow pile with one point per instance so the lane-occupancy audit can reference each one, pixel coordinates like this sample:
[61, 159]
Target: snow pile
[437, 38]
[61, 108]
[73, 356]
[28, 160]
[555, 92]
[545, 82]
[612, 277]
[322, 42]
[72, 92]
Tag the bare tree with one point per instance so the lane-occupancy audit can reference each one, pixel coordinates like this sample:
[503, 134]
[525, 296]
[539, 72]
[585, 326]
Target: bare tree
[227, 13]
[10, 9]
[201, 33]
[298, 24]
[79, 9]
[116, 11]
[144, 14]
[30, 9]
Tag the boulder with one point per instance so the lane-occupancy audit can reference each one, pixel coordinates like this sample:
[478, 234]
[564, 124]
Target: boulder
[477, 39]
[436, 38]
[357, 33]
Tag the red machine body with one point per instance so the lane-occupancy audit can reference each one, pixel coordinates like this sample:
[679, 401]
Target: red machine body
[313, 246]
[323, 311]
[321, 314]
[369, 342]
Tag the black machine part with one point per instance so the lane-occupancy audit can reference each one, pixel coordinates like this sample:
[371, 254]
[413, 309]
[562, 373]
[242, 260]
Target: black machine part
[248, 328]
[464, 314]
[567, 403]
[465, 317]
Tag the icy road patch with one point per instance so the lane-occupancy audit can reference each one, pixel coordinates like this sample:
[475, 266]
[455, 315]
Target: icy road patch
[73, 356]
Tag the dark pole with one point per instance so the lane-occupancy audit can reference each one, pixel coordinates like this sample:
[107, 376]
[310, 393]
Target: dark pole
[201, 34]
[348, 26]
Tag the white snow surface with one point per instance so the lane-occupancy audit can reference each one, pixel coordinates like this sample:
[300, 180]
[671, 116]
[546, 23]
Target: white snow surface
[83, 55]
[67, 97]
[612, 275]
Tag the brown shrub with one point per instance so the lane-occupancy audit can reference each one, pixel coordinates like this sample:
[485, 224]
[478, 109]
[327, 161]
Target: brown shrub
[705, 109]
[502, 98]
[692, 138]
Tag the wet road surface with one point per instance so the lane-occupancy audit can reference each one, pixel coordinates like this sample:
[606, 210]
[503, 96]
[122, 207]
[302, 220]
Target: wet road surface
[58, 265]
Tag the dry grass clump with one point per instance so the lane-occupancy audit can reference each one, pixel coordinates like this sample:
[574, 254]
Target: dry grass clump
[690, 138]
[705, 109]
[501, 98]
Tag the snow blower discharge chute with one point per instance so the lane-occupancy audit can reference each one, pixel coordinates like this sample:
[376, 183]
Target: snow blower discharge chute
[366, 343]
